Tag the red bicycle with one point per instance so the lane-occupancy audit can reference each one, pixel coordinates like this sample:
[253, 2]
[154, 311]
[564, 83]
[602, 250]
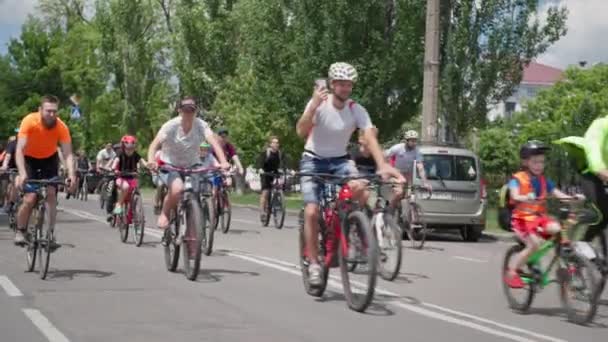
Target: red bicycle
[345, 237]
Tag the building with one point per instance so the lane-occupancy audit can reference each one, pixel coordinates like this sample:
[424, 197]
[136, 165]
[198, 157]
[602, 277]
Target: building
[536, 77]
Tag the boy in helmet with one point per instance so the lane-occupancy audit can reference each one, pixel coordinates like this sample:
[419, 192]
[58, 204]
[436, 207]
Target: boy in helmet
[405, 155]
[529, 190]
[127, 161]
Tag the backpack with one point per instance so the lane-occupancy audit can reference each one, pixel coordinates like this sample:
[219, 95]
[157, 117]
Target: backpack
[505, 208]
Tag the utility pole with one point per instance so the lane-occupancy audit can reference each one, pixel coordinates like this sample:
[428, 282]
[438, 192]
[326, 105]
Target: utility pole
[430, 93]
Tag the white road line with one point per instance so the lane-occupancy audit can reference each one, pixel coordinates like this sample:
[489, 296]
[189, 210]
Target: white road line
[9, 287]
[469, 259]
[421, 308]
[45, 326]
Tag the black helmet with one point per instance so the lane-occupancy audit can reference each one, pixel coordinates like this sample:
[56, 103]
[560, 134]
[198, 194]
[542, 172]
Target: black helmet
[532, 148]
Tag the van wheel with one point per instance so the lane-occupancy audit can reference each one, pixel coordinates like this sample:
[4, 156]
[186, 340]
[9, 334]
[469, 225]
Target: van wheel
[471, 233]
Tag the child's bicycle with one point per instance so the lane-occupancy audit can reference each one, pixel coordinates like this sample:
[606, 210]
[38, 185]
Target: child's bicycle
[574, 271]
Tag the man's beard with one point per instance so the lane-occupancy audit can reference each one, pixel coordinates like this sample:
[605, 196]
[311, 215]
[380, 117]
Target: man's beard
[49, 123]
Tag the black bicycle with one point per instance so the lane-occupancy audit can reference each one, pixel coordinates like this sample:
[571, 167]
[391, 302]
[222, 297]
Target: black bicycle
[40, 234]
[208, 209]
[222, 206]
[275, 203]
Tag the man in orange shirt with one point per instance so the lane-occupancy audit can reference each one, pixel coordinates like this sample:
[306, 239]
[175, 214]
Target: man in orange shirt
[37, 158]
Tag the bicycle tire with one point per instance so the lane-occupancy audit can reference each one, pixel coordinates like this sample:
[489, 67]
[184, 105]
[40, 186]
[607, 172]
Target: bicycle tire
[417, 231]
[565, 278]
[278, 210]
[123, 227]
[514, 304]
[388, 272]
[360, 220]
[216, 201]
[44, 258]
[102, 195]
[35, 234]
[172, 248]
[138, 218]
[207, 226]
[226, 213]
[192, 240]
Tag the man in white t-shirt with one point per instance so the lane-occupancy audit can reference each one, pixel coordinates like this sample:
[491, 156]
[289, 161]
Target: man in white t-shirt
[327, 125]
[105, 158]
[179, 140]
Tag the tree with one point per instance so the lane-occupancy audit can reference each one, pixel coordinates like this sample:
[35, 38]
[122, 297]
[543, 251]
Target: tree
[485, 46]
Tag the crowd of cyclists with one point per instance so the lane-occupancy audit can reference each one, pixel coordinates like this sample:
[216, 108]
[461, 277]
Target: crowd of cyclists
[187, 143]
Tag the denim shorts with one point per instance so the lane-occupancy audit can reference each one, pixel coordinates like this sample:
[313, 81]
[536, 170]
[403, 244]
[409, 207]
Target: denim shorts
[340, 166]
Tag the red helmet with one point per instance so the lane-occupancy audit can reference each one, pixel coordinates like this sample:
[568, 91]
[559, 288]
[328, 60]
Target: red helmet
[128, 141]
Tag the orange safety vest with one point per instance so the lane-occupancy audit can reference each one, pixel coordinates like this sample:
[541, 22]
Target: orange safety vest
[529, 211]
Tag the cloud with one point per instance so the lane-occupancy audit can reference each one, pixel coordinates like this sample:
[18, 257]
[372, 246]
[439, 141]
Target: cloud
[586, 37]
[14, 12]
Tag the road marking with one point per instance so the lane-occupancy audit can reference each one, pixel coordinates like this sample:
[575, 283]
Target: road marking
[45, 326]
[421, 308]
[9, 287]
[469, 259]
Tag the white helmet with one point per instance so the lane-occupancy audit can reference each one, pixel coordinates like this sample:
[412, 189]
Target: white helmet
[343, 72]
[411, 134]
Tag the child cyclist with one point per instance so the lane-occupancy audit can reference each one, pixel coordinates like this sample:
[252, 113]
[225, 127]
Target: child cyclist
[529, 190]
[127, 161]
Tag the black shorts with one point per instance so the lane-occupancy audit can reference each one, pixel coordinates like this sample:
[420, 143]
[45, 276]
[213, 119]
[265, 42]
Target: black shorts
[266, 181]
[42, 169]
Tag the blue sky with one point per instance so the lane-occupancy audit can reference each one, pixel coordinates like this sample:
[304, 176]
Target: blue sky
[587, 30]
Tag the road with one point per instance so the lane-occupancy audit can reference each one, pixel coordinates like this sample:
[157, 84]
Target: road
[100, 289]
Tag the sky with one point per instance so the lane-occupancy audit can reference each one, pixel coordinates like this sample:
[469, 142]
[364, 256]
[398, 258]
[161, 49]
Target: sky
[587, 30]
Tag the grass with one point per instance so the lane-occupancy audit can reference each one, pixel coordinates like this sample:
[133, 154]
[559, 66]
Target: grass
[294, 201]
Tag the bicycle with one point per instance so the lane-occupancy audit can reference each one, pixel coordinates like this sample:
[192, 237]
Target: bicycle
[340, 221]
[105, 187]
[222, 206]
[573, 265]
[83, 190]
[190, 214]
[412, 218]
[275, 204]
[208, 209]
[40, 235]
[133, 213]
[12, 207]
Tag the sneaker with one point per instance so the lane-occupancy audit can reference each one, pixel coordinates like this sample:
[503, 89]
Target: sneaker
[314, 274]
[515, 281]
[118, 210]
[20, 239]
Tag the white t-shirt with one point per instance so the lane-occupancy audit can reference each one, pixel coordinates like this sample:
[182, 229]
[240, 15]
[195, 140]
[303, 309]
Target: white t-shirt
[333, 128]
[181, 149]
[209, 161]
[106, 157]
[404, 158]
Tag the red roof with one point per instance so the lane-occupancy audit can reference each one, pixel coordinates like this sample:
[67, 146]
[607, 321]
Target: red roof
[541, 74]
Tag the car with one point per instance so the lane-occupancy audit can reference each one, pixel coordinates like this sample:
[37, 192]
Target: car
[459, 197]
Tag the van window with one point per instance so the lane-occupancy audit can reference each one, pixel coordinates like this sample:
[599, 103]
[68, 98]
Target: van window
[449, 167]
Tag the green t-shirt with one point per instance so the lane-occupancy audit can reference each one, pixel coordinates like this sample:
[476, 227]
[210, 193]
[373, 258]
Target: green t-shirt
[590, 151]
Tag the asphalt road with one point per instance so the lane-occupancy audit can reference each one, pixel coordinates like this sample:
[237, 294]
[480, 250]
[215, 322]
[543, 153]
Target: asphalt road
[100, 289]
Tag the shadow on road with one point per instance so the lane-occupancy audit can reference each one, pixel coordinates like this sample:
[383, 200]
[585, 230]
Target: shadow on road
[216, 275]
[452, 235]
[71, 274]
[376, 308]
[409, 278]
[242, 231]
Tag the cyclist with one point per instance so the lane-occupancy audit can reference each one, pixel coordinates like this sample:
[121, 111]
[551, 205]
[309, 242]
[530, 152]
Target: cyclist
[207, 159]
[127, 161]
[405, 155]
[529, 189]
[9, 163]
[105, 158]
[591, 154]
[36, 158]
[363, 160]
[179, 140]
[82, 167]
[230, 152]
[327, 124]
[269, 161]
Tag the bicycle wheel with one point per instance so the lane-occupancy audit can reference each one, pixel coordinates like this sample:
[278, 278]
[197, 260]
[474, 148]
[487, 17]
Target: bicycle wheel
[360, 296]
[44, 247]
[518, 299]
[171, 247]
[123, 226]
[192, 239]
[388, 235]
[35, 234]
[578, 281]
[216, 208]
[278, 210]
[102, 195]
[226, 212]
[417, 226]
[315, 291]
[138, 218]
[207, 225]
